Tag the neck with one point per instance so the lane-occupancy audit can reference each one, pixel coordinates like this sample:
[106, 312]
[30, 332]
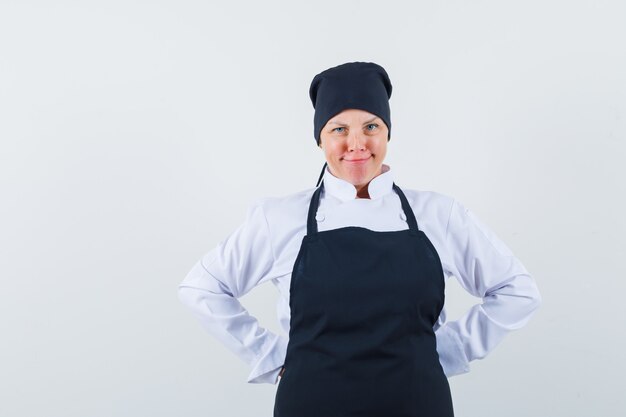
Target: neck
[362, 191]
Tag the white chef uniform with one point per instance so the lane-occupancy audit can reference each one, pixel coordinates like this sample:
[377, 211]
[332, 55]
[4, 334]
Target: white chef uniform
[265, 247]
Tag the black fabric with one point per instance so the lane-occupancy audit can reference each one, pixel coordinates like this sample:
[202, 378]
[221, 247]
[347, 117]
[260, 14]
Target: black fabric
[353, 85]
[321, 174]
[361, 340]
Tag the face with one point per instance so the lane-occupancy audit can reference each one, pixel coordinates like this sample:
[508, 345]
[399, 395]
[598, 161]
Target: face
[355, 144]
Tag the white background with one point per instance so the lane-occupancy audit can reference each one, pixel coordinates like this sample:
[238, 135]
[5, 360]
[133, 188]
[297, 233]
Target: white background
[134, 135]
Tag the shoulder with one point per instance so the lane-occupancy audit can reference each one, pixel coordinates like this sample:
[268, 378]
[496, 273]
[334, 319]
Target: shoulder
[457, 221]
[417, 196]
[431, 207]
[285, 222]
[286, 209]
[285, 203]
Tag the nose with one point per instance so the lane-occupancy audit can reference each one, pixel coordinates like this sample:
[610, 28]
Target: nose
[356, 141]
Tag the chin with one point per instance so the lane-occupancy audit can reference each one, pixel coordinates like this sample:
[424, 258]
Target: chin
[354, 176]
[357, 179]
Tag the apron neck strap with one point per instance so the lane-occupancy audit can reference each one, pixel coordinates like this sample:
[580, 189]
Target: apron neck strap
[311, 224]
[410, 216]
[321, 174]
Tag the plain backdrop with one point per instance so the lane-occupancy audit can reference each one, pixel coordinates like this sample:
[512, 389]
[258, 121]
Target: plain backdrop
[134, 136]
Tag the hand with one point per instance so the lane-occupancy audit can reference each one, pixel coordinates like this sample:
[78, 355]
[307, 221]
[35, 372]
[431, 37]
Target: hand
[282, 371]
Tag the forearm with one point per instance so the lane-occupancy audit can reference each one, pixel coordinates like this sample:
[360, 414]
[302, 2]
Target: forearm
[224, 317]
[484, 326]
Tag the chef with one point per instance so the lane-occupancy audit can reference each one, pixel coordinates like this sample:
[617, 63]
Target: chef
[361, 265]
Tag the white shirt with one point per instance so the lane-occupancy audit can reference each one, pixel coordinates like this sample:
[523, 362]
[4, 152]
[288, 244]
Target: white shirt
[265, 246]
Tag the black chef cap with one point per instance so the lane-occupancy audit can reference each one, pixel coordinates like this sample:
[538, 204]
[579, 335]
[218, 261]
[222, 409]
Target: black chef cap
[354, 85]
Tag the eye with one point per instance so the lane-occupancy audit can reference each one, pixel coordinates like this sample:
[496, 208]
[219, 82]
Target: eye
[335, 129]
[372, 124]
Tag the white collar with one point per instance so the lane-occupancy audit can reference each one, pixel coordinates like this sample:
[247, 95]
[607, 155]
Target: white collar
[345, 191]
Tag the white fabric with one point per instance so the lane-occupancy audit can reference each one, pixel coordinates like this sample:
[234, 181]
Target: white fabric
[265, 246]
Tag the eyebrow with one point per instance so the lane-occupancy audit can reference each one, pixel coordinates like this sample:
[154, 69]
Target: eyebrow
[343, 124]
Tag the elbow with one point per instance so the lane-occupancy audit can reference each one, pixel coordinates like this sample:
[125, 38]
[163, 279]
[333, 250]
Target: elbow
[512, 306]
[533, 295]
[533, 300]
[198, 285]
[537, 299]
[184, 294]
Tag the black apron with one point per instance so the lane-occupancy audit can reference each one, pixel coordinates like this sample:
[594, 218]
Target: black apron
[361, 341]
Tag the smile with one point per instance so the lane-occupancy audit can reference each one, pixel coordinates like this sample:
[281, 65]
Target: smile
[357, 161]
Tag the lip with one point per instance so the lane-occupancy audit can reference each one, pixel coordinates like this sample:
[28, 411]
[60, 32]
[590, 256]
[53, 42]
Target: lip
[357, 161]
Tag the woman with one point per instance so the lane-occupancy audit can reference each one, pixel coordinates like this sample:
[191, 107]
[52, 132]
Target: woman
[360, 265]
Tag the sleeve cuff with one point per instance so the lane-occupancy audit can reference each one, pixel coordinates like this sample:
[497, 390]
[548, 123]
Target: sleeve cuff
[451, 353]
[268, 366]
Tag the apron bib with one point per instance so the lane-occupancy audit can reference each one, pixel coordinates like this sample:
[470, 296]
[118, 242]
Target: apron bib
[361, 341]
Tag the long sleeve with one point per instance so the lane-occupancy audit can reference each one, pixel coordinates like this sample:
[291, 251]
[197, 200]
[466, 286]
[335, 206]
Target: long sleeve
[212, 287]
[486, 268]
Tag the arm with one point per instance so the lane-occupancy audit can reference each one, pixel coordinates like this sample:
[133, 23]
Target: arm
[212, 287]
[486, 268]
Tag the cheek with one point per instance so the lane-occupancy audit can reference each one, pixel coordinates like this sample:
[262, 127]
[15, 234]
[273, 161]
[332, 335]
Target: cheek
[379, 147]
[334, 148]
